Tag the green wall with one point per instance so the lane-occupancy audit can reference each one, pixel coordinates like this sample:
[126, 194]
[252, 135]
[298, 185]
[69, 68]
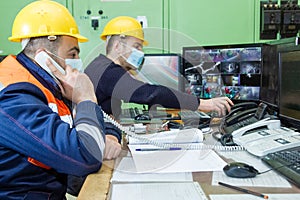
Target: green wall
[8, 12]
[172, 24]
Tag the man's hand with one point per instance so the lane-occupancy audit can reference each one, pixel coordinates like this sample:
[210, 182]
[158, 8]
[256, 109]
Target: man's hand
[75, 86]
[112, 147]
[219, 104]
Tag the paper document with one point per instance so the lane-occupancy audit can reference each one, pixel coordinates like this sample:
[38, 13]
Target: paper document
[251, 197]
[262, 180]
[168, 161]
[176, 136]
[157, 191]
[126, 172]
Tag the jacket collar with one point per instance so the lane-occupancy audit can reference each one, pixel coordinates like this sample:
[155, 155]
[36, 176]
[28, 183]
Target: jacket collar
[41, 75]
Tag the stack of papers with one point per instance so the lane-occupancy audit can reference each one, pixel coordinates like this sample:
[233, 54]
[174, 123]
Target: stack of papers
[171, 161]
[144, 186]
[172, 152]
[126, 173]
[158, 191]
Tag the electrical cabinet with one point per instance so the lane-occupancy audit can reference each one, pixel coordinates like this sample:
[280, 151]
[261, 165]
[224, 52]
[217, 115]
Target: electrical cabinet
[91, 17]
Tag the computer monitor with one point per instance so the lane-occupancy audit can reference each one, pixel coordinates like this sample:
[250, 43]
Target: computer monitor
[270, 83]
[161, 69]
[225, 70]
[269, 77]
[289, 104]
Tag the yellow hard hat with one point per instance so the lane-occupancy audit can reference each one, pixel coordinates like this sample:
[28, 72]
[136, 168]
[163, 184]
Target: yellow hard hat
[44, 18]
[124, 25]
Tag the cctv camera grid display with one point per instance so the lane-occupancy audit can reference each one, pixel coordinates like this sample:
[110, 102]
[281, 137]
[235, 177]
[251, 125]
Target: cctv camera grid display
[232, 72]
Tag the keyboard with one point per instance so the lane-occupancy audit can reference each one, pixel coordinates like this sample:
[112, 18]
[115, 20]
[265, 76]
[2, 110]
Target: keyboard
[287, 163]
[188, 116]
[132, 113]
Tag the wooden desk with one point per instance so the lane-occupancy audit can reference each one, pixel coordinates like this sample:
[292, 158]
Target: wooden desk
[97, 185]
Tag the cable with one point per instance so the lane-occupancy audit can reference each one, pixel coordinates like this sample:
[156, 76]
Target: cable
[194, 146]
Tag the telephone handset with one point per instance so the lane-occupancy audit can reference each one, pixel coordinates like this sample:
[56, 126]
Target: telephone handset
[264, 123]
[41, 58]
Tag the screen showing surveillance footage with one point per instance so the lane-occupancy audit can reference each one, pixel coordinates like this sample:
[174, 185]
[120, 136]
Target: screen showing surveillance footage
[230, 70]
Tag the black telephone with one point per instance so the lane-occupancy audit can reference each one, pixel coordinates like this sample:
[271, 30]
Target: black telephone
[241, 115]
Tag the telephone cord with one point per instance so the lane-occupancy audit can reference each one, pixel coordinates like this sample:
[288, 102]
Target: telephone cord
[199, 146]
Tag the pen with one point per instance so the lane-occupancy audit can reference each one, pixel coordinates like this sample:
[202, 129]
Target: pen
[244, 190]
[168, 149]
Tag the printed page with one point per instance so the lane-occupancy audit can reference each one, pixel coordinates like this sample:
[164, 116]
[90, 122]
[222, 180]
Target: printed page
[251, 197]
[158, 191]
[126, 172]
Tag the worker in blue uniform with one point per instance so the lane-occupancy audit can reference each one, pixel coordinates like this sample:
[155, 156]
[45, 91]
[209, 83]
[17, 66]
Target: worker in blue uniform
[51, 128]
[110, 75]
[114, 83]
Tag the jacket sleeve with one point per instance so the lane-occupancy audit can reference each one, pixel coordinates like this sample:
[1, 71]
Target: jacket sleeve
[116, 82]
[30, 127]
[111, 129]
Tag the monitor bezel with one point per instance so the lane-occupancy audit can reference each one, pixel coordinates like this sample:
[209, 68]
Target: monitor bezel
[285, 119]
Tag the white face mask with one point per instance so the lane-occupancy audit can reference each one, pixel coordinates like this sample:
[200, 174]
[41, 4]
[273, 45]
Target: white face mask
[136, 57]
[74, 63]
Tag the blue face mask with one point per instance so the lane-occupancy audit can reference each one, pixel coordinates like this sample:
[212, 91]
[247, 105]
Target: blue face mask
[136, 58]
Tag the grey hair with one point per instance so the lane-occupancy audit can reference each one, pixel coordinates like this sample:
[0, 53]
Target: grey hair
[41, 43]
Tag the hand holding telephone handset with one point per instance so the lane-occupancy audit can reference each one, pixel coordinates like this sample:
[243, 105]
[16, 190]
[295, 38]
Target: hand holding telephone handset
[41, 59]
[68, 79]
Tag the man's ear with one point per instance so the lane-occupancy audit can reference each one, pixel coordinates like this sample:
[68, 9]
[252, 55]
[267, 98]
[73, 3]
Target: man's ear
[117, 46]
[39, 50]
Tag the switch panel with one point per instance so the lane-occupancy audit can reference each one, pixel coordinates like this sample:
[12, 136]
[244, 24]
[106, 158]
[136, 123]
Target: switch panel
[290, 20]
[270, 20]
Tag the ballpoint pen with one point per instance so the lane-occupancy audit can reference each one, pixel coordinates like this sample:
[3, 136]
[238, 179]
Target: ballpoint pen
[159, 149]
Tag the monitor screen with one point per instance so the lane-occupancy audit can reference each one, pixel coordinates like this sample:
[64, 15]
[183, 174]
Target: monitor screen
[161, 69]
[289, 98]
[228, 70]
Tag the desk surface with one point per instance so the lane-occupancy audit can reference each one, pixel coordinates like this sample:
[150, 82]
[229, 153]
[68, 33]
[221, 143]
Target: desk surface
[97, 185]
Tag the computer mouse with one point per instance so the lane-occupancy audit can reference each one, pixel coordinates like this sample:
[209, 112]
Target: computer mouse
[240, 170]
[142, 117]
